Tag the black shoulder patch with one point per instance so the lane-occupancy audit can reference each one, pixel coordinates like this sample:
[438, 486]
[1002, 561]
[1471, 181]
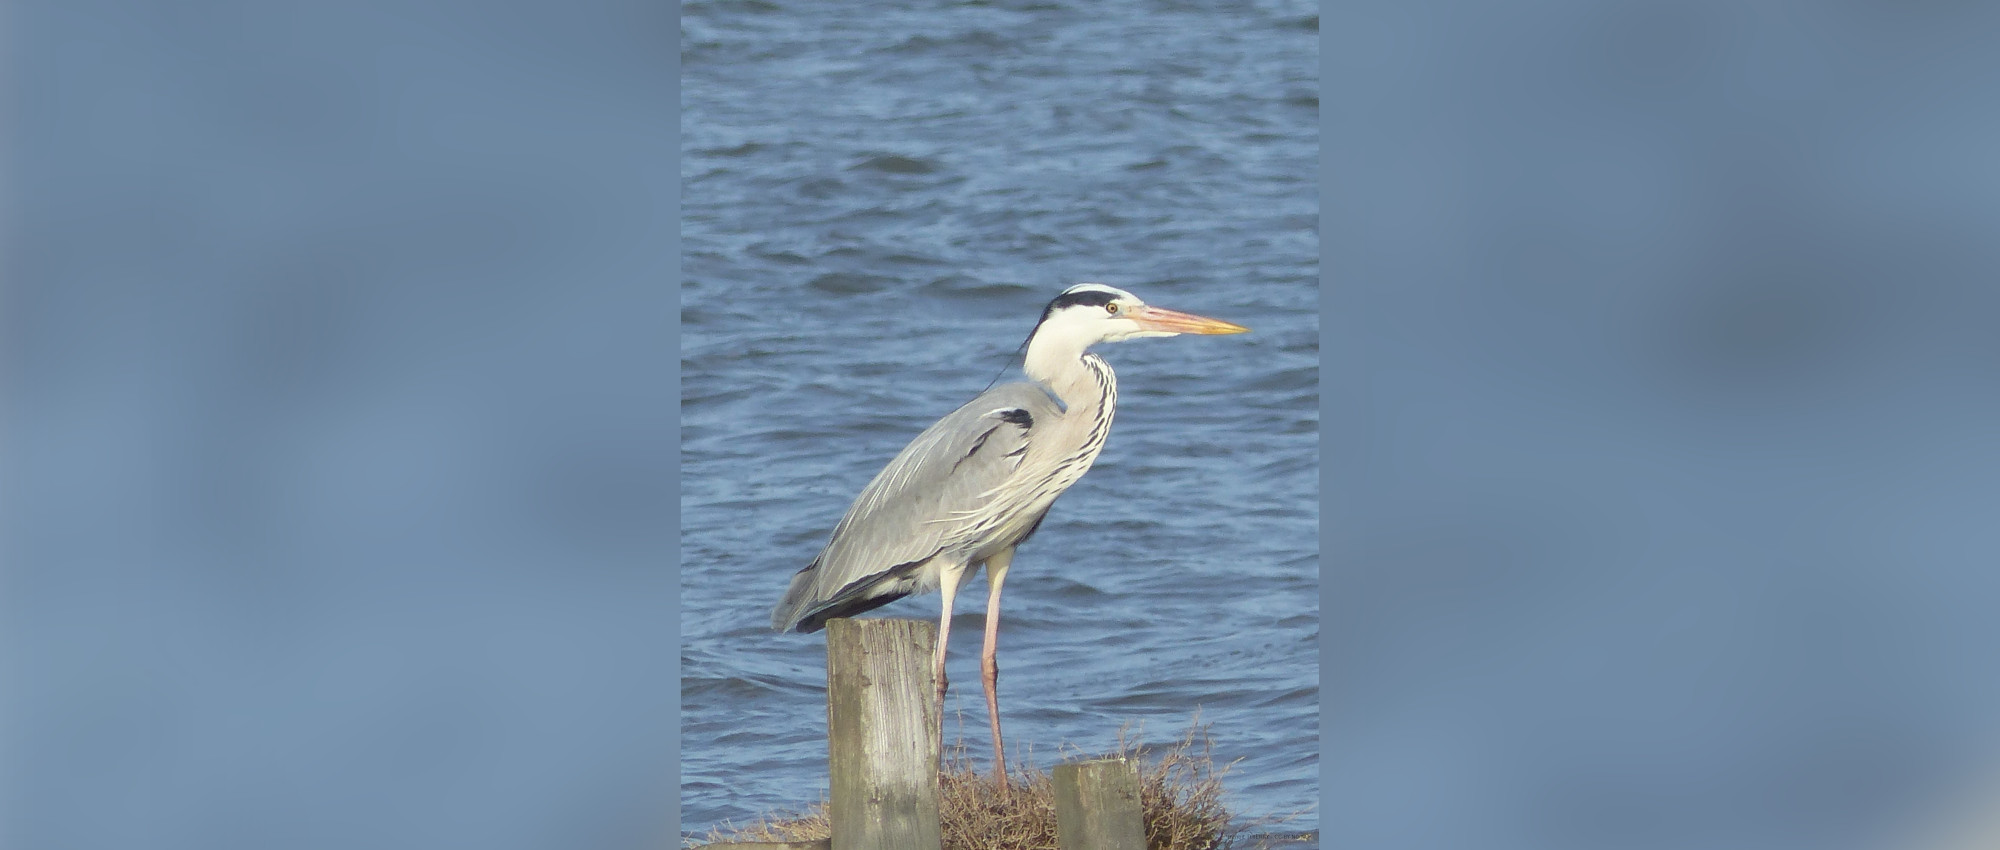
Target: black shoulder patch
[1018, 416]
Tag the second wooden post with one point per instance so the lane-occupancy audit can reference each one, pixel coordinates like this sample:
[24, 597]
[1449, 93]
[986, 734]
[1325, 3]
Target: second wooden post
[882, 734]
[1097, 806]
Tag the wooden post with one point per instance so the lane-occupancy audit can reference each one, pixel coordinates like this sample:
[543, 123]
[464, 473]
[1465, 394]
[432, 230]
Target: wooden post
[1097, 806]
[882, 734]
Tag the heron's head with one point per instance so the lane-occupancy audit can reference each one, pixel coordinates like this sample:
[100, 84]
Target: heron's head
[1090, 313]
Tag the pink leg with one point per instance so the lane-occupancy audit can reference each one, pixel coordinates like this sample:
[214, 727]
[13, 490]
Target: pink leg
[948, 586]
[989, 664]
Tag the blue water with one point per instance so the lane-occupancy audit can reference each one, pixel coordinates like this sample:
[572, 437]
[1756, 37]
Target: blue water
[877, 203]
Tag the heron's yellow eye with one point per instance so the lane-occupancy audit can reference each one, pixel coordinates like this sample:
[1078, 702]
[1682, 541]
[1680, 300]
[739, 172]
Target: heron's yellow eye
[1111, 308]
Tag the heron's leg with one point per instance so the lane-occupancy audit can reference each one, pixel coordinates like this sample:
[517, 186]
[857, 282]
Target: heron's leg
[948, 581]
[989, 664]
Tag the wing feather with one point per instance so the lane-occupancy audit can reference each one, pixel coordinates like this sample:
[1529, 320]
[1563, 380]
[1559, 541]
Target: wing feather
[916, 508]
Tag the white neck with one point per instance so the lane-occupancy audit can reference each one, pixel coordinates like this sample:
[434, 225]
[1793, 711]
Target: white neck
[1055, 359]
[1058, 359]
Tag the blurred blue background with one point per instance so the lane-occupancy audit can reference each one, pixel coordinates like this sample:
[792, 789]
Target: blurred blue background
[338, 355]
[1663, 426]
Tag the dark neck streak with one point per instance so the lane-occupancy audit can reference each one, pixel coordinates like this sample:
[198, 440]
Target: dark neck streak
[1100, 408]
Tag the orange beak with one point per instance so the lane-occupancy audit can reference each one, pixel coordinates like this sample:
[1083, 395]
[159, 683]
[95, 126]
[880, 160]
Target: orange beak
[1174, 321]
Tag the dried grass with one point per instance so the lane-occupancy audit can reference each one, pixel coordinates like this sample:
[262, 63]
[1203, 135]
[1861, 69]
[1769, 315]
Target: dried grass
[1180, 794]
[810, 825]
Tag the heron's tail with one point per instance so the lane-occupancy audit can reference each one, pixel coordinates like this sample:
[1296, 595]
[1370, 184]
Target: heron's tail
[792, 607]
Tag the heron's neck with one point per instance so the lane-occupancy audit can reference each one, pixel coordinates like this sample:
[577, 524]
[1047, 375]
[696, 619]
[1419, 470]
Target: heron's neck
[1080, 379]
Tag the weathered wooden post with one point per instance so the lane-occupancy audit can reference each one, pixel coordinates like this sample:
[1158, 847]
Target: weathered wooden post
[1097, 806]
[882, 734]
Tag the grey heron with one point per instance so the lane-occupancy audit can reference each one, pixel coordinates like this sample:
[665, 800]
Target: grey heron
[974, 485]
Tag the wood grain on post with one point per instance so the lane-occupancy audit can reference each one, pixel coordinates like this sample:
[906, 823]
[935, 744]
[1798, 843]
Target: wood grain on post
[1097, 806]
[882, 734]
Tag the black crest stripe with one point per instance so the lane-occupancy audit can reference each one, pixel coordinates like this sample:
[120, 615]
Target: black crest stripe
[1092, 297]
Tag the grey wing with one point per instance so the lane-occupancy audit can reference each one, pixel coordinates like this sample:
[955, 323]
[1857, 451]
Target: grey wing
[917, 507]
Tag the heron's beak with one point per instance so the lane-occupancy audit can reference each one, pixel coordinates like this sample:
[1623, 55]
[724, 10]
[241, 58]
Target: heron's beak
[1175, 322]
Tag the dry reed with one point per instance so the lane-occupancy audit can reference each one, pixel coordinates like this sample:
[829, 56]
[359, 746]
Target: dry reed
[1180, 794]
